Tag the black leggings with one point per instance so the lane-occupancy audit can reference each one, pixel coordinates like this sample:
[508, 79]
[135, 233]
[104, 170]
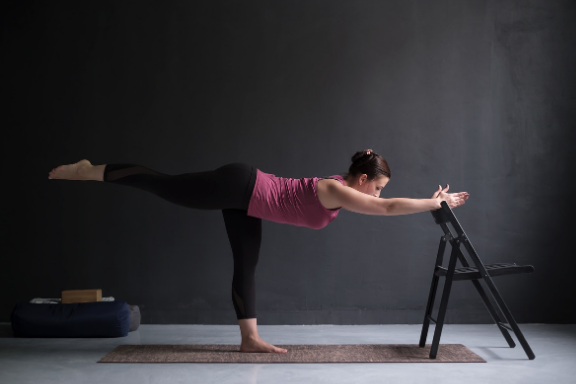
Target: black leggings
[227, 188]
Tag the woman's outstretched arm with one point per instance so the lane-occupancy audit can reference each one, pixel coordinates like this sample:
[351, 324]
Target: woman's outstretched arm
[355, 201]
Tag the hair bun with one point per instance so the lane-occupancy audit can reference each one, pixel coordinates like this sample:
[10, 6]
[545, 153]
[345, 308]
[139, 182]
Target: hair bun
[360, 154]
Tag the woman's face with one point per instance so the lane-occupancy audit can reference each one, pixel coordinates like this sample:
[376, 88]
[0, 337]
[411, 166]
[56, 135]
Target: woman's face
[372, 188]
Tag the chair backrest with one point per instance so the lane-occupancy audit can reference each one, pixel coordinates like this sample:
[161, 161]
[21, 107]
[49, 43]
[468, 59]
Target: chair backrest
[445, 215]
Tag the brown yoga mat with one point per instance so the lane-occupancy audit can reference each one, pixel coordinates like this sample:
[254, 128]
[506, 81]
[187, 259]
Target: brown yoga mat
[318, 353]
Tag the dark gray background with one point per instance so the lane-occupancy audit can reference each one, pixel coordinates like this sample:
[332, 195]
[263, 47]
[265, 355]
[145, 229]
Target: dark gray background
[477, 94]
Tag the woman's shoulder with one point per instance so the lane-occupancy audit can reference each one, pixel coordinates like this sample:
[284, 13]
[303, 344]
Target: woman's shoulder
[326, 195]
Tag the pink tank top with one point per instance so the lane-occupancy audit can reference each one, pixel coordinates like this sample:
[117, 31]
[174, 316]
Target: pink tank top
[290, 201]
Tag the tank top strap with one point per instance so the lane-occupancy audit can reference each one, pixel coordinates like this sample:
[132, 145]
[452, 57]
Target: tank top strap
[331, 177]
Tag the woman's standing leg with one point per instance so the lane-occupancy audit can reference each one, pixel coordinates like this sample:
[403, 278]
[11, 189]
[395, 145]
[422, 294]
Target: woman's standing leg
[245, 235]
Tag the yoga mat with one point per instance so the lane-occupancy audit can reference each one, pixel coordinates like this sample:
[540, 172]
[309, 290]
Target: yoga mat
[297, 353]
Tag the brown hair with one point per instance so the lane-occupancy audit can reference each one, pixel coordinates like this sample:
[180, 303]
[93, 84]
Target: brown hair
[373, 165]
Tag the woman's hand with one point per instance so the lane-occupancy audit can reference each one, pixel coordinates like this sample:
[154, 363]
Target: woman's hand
[452, 199]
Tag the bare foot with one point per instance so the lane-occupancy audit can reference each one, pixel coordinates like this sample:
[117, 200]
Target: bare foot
[259, 345]
[70, 171]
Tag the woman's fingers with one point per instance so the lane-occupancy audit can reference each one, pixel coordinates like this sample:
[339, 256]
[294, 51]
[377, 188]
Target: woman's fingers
[437, 192]
[457, 199]
[453, 199]
[461, 201]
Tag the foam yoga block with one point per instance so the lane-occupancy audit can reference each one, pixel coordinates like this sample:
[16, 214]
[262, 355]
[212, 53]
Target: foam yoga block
[81, 296]
[98, 319]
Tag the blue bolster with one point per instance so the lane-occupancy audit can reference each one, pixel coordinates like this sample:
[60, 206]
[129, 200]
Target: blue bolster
[97, 319]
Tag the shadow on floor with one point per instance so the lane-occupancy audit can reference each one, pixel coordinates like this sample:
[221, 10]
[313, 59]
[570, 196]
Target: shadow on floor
[491, 352]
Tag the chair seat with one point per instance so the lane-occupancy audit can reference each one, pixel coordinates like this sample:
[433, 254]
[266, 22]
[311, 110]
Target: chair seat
[471, 273]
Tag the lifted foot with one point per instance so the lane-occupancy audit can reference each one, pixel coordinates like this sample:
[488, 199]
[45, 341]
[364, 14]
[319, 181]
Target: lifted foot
[76, 171]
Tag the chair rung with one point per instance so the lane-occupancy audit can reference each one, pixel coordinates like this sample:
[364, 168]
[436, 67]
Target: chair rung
[432, 319]
[471, 273]
[503, 325]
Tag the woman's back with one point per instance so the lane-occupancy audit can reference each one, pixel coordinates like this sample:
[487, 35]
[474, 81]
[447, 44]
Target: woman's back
[291, 201]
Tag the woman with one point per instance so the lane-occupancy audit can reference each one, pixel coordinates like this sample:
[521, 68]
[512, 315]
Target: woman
[247, 195]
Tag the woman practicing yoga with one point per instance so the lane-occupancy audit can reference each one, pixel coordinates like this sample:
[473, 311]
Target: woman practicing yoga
[246, 195]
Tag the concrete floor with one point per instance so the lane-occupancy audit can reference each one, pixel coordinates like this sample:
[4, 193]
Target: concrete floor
[45, 361]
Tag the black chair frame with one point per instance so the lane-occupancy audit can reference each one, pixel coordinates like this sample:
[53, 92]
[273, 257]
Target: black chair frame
[442, 217]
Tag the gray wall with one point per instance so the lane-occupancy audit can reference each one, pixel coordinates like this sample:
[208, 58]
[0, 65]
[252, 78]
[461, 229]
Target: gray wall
[477, 94]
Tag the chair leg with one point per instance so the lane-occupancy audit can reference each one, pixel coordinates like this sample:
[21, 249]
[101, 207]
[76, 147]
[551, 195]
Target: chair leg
[432, 294]
[488, 304]
[493, 313]
[429, 307]
[508, 315]
[499, 301]
[445, 297]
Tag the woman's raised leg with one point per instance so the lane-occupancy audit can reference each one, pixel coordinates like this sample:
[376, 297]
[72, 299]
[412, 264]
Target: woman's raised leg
[226, 187]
